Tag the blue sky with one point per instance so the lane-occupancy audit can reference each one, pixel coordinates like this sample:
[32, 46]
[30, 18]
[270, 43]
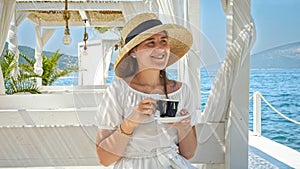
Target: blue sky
[277, 23]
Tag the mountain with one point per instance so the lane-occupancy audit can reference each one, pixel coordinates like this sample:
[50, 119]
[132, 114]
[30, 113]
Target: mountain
[63, 62]
[281, 57]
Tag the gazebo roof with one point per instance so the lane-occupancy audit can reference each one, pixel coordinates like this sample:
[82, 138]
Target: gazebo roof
[97, 12]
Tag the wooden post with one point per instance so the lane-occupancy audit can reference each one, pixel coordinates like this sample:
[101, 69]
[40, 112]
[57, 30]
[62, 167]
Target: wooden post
[257, 114]
[236, 131]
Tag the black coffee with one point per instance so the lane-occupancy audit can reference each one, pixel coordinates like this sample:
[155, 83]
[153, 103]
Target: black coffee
[167, 108]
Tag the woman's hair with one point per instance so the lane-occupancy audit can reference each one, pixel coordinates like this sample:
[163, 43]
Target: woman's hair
[164, 79]
[128, 67]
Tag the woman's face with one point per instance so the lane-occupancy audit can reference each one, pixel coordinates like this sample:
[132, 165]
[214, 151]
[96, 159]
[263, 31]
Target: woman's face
[153, 53]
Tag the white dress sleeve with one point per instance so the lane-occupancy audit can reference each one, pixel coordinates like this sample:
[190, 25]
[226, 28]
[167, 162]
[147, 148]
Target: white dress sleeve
[110, 113]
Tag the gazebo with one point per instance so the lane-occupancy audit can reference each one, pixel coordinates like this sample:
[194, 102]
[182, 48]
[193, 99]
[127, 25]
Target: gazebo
[223, 124]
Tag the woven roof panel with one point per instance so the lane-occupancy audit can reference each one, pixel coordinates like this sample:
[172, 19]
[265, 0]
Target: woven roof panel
[56, 16]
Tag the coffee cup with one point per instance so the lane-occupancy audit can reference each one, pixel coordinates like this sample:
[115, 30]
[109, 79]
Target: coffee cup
[167, 107]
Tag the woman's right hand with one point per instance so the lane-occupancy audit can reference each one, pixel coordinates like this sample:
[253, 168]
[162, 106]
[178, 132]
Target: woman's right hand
[142, 111]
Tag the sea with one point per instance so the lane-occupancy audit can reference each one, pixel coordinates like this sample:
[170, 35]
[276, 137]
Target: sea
[281, 88]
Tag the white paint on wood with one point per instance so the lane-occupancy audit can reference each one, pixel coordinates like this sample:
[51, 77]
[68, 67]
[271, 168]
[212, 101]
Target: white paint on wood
[257, 113]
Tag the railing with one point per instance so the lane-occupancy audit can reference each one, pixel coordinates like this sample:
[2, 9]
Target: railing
[257, 112]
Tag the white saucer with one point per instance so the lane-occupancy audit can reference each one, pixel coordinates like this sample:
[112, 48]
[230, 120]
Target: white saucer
[170, 119]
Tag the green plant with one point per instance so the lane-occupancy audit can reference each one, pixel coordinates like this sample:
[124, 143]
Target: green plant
[25, 81]
[51, 72]
[116, 30]
[22, 83]
[102, 29]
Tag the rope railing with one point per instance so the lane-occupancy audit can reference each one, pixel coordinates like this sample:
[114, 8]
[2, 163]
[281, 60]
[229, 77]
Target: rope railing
[274, 109]
[257, 96]
[267, 102]
[204, 92]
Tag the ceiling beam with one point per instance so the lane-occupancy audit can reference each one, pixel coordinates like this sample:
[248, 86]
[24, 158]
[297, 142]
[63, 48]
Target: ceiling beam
[82, 5]
[85, 17]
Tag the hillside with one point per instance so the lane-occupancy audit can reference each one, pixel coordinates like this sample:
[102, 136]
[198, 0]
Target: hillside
[281, 57]
[64, 60]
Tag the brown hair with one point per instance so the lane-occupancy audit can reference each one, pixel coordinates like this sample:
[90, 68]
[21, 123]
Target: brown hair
[164, 81]
[128, 67]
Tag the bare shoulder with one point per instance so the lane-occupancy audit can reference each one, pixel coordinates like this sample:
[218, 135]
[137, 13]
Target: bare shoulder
[178, 83]
[174, 84]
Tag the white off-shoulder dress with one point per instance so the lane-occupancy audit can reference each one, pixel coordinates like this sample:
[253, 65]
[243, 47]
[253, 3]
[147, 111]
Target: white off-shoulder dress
[153, 145]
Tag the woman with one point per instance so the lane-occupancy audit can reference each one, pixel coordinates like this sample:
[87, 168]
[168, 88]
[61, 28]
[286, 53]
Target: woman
[129, 135]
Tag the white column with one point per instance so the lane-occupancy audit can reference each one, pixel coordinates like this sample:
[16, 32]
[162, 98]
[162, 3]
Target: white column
[236, 136]
[16, 20]
[41, 40]
[257, 113]
[38, 66]
[13, 42]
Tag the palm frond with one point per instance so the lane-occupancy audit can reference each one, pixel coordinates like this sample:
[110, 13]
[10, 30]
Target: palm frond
[21, 85]
[51, 71]
[29, 60]
[8, 64]
[26, 81]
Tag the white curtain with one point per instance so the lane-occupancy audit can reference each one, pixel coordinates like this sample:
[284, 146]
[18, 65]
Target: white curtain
[239, 43]
[187, 14]
[189, 67]
[108, 48]
[107, 60]
[224, 5]
[132, 9]
[6, 12]
[16, 20]
[220, 95]
[41, 40]
[172, 11]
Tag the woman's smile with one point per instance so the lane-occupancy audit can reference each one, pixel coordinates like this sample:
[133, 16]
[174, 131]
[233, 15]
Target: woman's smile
[160, 57]
[157, 61]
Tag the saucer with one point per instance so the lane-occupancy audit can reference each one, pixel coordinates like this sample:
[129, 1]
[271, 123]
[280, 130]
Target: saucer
[170, 119]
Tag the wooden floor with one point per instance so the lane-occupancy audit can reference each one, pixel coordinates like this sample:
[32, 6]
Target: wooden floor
[280, 152]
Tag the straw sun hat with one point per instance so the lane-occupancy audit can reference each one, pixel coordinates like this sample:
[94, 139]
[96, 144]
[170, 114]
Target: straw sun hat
[143, 26]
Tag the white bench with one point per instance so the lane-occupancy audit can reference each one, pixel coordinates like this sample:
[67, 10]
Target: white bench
[59, 129]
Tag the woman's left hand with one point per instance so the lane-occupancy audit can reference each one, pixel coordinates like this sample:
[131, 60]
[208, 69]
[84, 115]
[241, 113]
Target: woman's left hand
[187, 141]
[183, 126]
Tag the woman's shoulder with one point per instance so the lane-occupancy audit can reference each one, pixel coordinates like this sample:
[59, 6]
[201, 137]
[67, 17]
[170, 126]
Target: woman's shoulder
[117, 84]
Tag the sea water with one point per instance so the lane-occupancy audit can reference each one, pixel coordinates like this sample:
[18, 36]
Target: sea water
[280, 87]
